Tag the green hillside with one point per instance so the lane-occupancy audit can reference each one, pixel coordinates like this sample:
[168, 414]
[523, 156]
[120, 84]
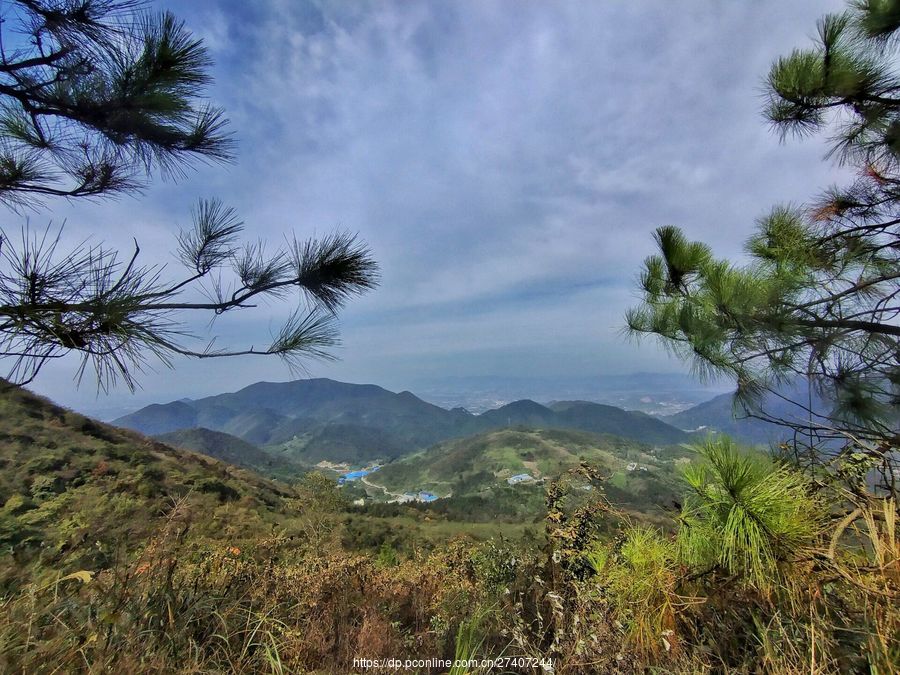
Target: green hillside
[607, 419]
[230, 449]
[78, 494]
[481, 466]
[119, 553]
[320, 419]
[349, 443]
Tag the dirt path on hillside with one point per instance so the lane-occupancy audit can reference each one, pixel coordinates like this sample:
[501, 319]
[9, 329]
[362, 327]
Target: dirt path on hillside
[393, 494]
[379, 487]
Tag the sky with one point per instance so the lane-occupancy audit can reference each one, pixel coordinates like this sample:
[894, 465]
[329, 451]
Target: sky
[507, 163]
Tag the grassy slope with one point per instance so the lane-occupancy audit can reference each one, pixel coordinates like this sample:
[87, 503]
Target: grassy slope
[78, 494]
[479, 466]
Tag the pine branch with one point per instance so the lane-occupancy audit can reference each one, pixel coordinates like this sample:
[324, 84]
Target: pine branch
[122, 90]
[119, 315]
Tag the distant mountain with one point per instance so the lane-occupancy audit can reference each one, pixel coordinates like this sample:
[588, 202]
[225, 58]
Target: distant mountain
[525, 412]
[316, 419]
[272, 412]
[159, 418]
[607, 419]
[721, 415]
[654, 393]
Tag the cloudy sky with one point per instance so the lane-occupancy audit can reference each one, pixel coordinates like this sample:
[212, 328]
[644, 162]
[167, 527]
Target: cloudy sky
[506, 161]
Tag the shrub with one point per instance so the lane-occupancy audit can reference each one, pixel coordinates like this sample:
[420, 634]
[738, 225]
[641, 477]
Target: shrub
[43, 487]
[387, 556]
[225, 492]
[745, 514]
[18, 504]
[496, 564]
[639, 580]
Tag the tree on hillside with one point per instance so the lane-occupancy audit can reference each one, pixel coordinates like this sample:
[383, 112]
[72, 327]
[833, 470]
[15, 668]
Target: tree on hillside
[820, 298]
[96, 96]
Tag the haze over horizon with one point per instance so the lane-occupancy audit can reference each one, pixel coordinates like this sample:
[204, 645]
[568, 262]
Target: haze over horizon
[507, 169]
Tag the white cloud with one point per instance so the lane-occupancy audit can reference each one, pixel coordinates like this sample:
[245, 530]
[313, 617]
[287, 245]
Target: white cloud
[492, 153]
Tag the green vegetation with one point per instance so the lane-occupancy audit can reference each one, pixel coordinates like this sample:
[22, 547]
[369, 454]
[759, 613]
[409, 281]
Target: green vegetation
[93, 94]
[231, 449]
[818, 300]
[78, 494]
[121, 554]
[354, 444]
[640, 580]
[319, 419]
[745, 514]
[799, 556]
[204, 565]
[475, 470]
[300, 581]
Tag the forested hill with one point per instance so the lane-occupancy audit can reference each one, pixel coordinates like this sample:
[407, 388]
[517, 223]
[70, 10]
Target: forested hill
[270, 413]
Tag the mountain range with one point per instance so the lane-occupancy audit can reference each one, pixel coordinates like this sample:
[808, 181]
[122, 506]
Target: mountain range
[304, 422]
[722, 415]
[321, 419]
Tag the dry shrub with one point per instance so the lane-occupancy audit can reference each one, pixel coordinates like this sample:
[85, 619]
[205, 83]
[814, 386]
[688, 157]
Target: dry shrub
[217, 608]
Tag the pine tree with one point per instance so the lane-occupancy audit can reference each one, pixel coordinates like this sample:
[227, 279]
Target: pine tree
[96, 96]
[96, 93]
[820, 299]
[744, 514]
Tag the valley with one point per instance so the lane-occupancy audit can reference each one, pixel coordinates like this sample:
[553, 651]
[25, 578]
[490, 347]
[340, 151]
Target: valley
[499, 459]
[426, 453]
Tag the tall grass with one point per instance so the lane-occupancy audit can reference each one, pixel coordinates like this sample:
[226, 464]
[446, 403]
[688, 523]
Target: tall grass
[181, 608]
[765, 583]
[470, 637]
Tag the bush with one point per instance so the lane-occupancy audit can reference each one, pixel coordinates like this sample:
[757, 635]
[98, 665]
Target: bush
[43, 487]
[496, 565]
[639, 580]
[225, 492]
[745, 514]
[18, 504]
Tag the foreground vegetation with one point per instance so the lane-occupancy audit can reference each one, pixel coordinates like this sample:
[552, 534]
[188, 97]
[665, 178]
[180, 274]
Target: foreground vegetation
[121, 554]
[217, 570]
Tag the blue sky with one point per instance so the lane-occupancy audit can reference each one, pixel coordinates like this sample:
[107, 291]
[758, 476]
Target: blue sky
[506, 161]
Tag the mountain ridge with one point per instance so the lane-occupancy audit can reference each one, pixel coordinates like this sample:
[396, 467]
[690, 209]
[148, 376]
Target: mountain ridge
[723, 414]
[301, 417]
